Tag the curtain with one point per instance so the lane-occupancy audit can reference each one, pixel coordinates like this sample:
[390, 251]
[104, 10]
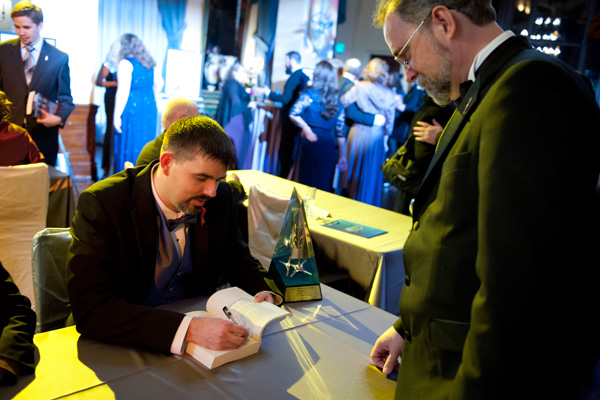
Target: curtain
[173, 20]
[265, 33]
[341, 12]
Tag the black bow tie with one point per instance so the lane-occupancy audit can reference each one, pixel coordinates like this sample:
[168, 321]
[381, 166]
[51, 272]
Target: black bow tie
[464, 88]
[184, 219]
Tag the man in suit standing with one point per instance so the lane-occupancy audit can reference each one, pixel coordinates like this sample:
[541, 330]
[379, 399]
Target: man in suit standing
[500, 299]
[289, 131]
[31, 64]
[160, 233]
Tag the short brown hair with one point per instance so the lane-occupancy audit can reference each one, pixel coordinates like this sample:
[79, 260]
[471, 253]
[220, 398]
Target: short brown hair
[28, 9]
[190, 136]
[479, 12]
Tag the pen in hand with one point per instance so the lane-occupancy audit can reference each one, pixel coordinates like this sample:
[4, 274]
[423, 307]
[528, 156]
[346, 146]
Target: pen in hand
[230, 317]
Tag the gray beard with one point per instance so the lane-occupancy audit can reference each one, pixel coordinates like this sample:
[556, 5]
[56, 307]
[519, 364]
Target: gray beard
[439, 88]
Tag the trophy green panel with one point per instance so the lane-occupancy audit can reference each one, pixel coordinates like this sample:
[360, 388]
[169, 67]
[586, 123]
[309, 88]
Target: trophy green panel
[293, 266]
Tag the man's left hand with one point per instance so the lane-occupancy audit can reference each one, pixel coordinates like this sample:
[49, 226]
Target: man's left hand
[268, 297]
[49, 120]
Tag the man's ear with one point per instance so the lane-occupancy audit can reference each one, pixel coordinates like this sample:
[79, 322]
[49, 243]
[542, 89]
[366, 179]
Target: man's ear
[166, 161]
[443, 23]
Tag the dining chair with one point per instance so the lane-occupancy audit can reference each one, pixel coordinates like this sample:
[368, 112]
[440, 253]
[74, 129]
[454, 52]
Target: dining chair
[266, 212]
[24, 198]
[50, 274]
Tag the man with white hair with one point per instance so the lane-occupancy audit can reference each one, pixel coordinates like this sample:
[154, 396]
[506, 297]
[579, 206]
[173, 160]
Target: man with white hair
[352, 68]
[176, 108]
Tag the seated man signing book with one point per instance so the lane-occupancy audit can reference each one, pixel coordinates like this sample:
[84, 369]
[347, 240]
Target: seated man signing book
[160, 233]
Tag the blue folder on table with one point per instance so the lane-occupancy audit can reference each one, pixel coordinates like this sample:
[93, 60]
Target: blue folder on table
[354, 228]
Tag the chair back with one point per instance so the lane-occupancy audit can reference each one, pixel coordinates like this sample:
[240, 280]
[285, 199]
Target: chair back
[23, 210]
[50, 274]
[266, 212]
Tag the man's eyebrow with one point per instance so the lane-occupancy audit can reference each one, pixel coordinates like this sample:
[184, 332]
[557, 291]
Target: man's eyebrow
[207, 176]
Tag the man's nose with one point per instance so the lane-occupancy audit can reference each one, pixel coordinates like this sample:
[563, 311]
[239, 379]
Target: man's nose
[410, 74]
[211, 189]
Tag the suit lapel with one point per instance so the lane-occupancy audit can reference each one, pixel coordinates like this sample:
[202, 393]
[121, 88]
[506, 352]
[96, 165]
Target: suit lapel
[40, 67]
[144, 219]
[18, 61]
[486, 76]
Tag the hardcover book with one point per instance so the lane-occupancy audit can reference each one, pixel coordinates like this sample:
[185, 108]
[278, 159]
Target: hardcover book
[36, 102]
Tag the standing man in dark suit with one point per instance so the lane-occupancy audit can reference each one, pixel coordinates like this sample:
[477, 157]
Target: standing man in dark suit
[31, 64]
[160, 233]
[501, 293]
[289, 131]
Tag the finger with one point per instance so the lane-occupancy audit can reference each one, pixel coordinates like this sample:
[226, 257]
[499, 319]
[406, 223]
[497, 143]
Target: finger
[238, 331]
[378, 356]
[390, 364]
[263, 296]
[436, 123]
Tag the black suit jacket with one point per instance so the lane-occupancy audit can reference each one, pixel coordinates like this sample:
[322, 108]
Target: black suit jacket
[17, 326]
[500, 288]
[51, 78]
[112, 259]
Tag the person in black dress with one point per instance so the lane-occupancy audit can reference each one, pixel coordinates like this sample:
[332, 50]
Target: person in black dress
[322, 144]
[107, 78]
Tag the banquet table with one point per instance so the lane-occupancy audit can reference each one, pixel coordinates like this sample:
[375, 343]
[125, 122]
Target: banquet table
[321, 351]
[374, 263]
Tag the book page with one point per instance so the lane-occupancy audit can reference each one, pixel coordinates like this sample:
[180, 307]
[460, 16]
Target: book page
[244, 311]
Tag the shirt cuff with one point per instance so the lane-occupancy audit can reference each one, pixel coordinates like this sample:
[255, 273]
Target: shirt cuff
[179, 344]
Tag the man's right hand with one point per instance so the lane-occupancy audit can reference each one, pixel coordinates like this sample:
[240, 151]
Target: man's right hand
[387, 349]
[379, 120]
[216, 334]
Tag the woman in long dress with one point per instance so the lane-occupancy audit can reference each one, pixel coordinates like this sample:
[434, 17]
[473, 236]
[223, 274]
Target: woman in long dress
[107, 78]
[135, 117]
[321, 117]
[234, 113]
[366, 144]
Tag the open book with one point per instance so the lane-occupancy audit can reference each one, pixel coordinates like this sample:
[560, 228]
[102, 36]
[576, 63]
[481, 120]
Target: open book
[37, 102]
[245, 312]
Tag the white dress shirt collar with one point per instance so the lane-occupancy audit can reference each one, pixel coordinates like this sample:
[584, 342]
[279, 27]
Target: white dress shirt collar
[486, 51]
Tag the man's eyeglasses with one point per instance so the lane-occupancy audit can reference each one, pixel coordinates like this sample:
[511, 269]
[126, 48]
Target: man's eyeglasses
[401, 52]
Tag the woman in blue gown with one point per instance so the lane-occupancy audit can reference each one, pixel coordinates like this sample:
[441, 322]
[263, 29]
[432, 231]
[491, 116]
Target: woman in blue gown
[321, 117]
[135, 119]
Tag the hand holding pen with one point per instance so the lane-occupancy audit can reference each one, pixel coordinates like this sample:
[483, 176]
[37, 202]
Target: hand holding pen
[230, 317]
[216, 333]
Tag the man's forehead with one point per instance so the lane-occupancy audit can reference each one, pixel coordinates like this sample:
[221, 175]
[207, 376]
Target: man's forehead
[23, 20]
[395, 31]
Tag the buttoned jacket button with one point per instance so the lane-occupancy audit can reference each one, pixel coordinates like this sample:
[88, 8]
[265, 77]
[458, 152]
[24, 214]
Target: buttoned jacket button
[407, 336]
[416, 225]
[407, 280]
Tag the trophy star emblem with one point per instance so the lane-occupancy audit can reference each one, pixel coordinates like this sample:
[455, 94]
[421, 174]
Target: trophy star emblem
[287, 266]
[300, 268]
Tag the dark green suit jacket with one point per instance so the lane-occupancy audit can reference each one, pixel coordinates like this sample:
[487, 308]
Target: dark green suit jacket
[113, 258]
[500, 299]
